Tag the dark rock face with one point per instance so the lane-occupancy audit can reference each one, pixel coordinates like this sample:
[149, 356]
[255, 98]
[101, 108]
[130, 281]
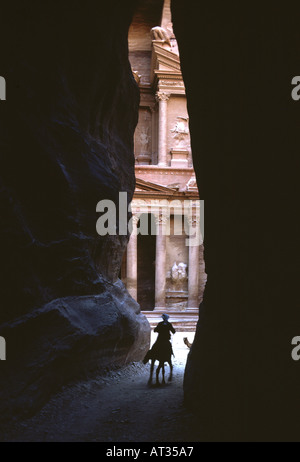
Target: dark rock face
[64, 147]
[66, 338]
[66, 142]
[238, 64]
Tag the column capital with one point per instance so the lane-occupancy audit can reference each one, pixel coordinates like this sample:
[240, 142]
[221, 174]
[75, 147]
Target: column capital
[135, 219]
[162, 96]
[162, 219]
[194, 220]
[132, 225]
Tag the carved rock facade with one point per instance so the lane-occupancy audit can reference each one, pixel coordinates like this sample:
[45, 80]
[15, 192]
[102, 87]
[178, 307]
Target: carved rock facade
[164, 170]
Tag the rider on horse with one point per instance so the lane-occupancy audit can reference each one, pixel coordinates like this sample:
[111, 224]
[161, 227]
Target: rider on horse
[162, 349]
[163, 344]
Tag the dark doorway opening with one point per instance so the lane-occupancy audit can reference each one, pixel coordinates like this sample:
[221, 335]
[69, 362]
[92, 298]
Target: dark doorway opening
[146, 267]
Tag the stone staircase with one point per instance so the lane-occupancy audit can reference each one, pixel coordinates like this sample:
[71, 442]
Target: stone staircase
[183, 321]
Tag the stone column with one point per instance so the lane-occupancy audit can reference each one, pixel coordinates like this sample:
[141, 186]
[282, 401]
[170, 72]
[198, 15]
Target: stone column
[194, 269]
[160, 263]
[163, 99]
[154, 134]
[132, 260]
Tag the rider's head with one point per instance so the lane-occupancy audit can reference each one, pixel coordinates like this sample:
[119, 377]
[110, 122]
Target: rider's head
[165, 317]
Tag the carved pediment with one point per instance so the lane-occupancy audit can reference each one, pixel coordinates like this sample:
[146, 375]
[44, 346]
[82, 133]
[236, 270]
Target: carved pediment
[142, 185]
[163, 59]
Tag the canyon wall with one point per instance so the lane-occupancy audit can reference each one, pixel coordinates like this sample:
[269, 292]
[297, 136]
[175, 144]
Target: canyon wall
[66, 141]
[238, 62]
[64, 146]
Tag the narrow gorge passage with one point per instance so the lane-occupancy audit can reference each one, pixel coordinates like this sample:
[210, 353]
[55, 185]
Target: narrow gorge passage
[117, 407]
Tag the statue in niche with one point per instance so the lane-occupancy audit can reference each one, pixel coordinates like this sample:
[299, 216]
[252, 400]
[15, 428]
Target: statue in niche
[182, 273]
[174, 273]
[181, 132]
[144, 156]
[144, 139]
[179, 275]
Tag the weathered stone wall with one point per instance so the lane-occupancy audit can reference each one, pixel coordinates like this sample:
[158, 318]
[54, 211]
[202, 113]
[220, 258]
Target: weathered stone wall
[238, 62]
[66, 140]
[147, 15]
[177, 113]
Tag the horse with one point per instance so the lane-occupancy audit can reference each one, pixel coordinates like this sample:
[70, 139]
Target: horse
[162, 352]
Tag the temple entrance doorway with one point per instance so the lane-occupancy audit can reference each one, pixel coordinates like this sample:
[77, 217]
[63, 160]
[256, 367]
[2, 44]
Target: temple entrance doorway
[146, 248]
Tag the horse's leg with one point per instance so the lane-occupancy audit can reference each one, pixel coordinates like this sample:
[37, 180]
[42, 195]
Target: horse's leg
[171, 370]
[157, 373]
[163, 373]
[151, 372]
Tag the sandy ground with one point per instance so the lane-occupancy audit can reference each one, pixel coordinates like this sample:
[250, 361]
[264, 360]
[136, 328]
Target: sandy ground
[117, 407]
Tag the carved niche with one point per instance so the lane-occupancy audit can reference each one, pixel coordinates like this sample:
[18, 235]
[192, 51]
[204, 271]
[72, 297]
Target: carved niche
[181, 133]
[143, 138]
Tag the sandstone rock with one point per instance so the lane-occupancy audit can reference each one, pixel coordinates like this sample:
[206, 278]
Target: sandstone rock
[68, 338]
[66, 141]
[237, 64]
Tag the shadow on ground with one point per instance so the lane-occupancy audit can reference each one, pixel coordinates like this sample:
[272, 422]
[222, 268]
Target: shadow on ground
[116, 407]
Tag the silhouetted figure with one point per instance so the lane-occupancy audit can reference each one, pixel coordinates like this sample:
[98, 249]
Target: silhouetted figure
[188, 344]
[162, 350]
